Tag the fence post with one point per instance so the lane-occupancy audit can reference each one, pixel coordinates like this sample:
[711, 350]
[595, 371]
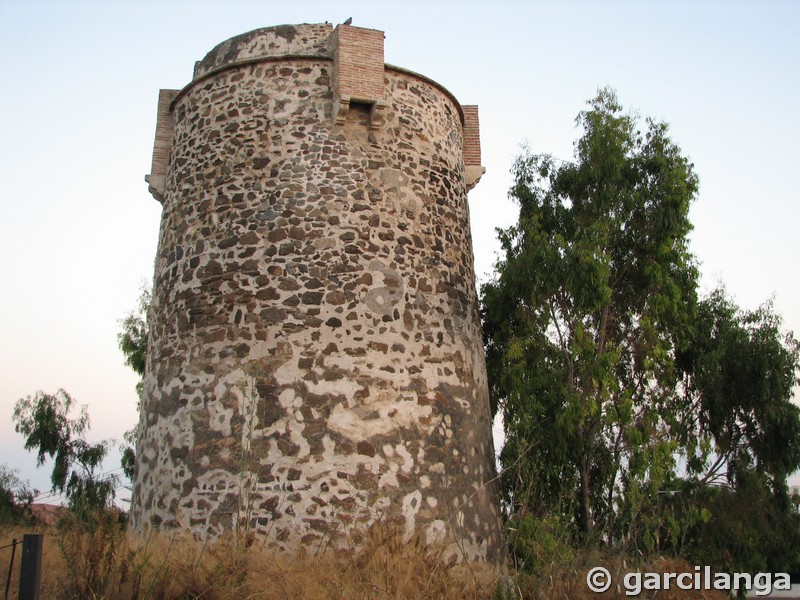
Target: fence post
[31, 568]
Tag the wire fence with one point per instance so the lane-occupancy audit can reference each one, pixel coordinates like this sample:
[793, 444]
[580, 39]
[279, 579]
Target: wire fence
[30, 565]
[13, 546]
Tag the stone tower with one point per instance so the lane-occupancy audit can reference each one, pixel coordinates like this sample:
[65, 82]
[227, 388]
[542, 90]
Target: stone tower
[315, 361]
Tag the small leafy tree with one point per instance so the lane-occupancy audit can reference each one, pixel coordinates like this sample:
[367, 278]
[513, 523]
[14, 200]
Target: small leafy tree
[50, 429]
[16, 496]
[594, 287]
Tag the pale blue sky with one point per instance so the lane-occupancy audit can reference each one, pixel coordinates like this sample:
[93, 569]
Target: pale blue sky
[78, 96]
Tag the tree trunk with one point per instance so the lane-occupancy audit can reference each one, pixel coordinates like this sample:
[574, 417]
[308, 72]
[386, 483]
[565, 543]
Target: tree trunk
[586, 509]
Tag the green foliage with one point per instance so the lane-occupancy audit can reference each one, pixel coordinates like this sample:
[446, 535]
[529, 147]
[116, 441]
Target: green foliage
[740, 371]
[128, 461]
[133, 343]
[50, 430]
[666, 518]
[751, 529]
[609, 370]
[16, 496]
[740, 433]
[133, 337]
[595, 284]
[540, 545]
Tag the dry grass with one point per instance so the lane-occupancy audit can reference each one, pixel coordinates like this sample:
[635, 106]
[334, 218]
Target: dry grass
[101, 562]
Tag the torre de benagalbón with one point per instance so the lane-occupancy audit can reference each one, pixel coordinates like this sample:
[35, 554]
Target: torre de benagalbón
[315, 362]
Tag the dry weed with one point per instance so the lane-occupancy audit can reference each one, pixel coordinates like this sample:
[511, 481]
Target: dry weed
[101, 562]
[104, 563]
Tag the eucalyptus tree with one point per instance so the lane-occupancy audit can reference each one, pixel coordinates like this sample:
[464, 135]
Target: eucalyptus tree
[54, 432]
[593, 291]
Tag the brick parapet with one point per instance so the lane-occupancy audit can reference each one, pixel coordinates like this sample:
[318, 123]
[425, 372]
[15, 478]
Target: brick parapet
[358, 63]
[161, 146]
[472, 136]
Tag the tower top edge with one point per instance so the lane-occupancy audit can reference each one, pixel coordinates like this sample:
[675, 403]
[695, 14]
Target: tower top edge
[309, 39]
[314, 41]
